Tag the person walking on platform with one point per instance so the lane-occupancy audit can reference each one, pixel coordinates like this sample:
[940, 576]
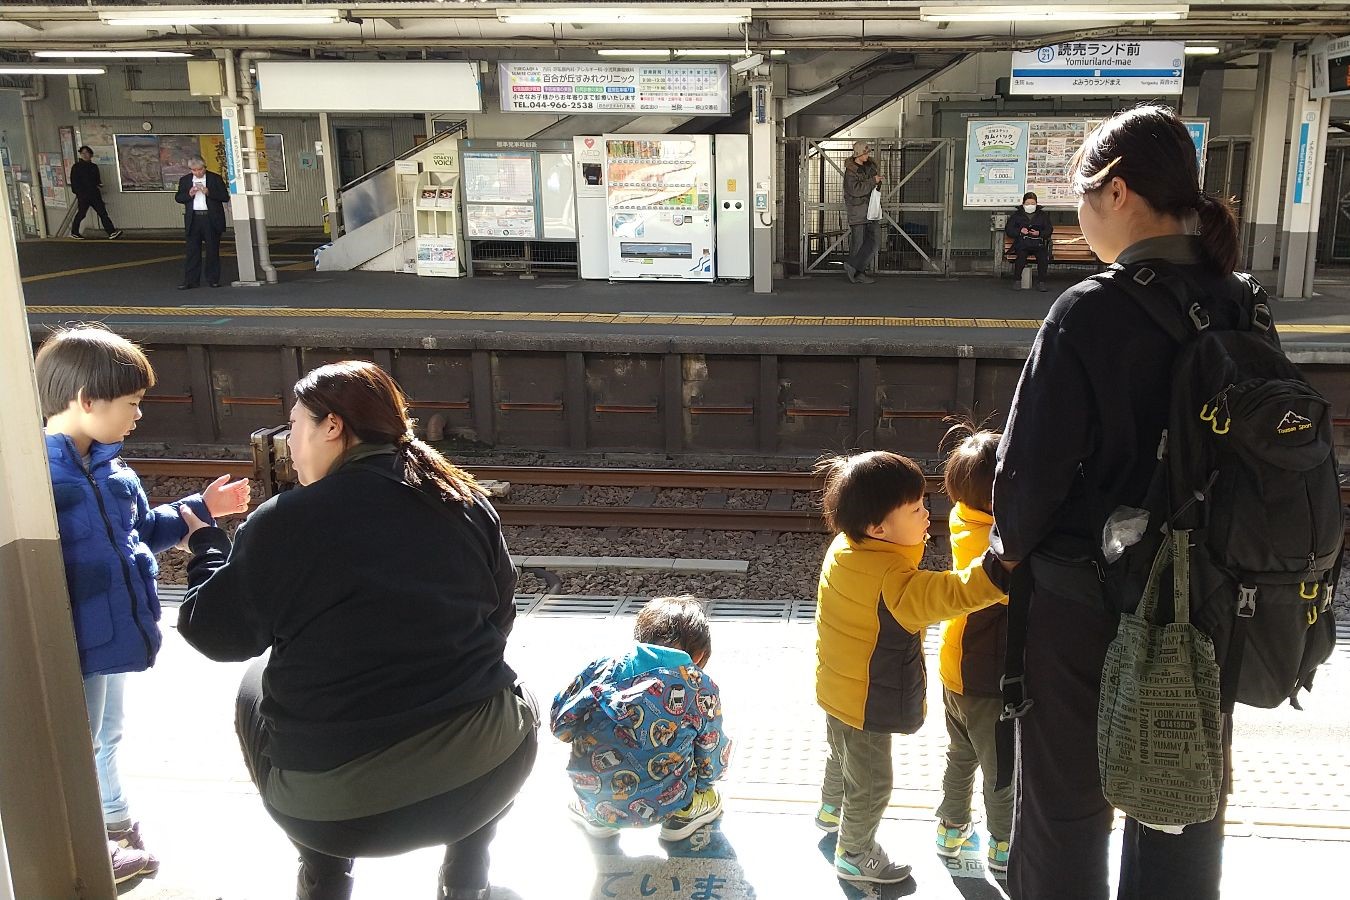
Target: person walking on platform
[1081, 441]
[86, 183]
[861, 182]
[1029, 227]
[203, 195]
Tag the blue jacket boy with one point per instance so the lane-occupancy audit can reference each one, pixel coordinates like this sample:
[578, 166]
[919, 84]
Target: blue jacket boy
[109, 535]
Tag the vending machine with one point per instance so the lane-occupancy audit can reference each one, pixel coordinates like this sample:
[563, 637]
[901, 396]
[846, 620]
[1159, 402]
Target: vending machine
[658, 204]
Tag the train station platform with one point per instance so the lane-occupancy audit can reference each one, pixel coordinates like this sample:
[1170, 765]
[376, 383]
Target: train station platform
[132, 282]
[1288, 822]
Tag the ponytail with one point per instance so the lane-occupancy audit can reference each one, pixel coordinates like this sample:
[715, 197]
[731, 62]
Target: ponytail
[423, 464]
[1218, 232]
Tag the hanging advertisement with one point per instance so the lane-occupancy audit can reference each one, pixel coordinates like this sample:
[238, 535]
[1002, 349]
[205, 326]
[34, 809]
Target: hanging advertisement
[700, 88]
[155, 162]
[1005, 158]
[1106, 66]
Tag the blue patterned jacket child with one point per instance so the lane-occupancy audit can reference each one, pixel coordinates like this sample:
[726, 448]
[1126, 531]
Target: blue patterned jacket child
[646, 732]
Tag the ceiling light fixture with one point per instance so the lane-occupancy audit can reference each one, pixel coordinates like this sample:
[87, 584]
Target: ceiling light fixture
[724, 54]
[40, 69]
[645, 52]
[1201, 50]
[623, 15]
[200, 16]
[109, 54]
[1054, 12]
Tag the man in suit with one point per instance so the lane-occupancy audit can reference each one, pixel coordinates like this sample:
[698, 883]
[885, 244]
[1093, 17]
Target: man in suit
[203, 195]
[87, 184]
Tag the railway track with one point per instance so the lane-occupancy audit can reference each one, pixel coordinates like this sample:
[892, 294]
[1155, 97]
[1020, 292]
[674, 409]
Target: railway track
[640, 512]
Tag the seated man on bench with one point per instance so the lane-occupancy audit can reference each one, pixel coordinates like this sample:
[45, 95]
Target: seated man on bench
[1029, 227]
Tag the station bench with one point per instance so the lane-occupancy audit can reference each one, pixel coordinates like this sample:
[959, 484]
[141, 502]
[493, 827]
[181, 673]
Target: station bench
[1068, 246]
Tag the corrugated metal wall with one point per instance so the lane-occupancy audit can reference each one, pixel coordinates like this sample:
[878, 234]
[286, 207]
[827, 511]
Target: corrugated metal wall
[300, 205]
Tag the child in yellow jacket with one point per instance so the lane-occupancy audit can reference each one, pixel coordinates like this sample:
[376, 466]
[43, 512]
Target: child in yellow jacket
[873, 606]
[970, 662]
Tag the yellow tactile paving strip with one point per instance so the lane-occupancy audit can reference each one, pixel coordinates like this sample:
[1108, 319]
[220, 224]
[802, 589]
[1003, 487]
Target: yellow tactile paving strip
[588, 318]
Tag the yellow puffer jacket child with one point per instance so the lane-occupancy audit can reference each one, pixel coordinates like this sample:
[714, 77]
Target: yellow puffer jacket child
[971, 658]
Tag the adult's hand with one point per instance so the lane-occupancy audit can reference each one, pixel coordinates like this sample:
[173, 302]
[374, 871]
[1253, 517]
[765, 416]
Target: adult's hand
[225, 498]
[193, 524]
[878, 178]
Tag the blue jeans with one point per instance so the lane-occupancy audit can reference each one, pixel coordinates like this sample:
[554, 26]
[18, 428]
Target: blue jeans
[103, 696]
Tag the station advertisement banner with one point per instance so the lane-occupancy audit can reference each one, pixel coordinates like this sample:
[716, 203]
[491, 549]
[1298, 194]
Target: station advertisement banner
[1005, 158]
[1105, 66]
[154, 162]
[568, 87]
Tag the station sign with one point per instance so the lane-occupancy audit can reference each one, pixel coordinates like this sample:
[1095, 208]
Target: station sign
[1331, 69]
[581, 87]
[1106, 66]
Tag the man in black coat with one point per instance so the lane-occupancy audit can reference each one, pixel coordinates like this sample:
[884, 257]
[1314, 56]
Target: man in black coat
[86, 183]
[1029, 227]
[203, 195]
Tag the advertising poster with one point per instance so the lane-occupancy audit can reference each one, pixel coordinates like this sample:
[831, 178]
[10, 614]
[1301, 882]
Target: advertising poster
[53, 179]
[499, 177]
[276, 161]
[155, 162]
[68, 157]
[99, 137]
[501, 221]
[700, 88]
[138, 166]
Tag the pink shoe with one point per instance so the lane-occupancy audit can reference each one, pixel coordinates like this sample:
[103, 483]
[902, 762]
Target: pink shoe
[130, 839]
[127, 862]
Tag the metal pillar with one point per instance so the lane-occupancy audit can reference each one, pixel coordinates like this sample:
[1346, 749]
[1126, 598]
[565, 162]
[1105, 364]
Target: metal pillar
[328, 155]
[255, 182]
[49, 800]
[1303, 194]
[1270, 125]
[234, 175]
[763, 166]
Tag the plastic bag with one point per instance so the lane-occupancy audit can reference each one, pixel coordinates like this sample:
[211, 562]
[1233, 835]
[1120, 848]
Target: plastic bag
[874, 206]
[1123, 529]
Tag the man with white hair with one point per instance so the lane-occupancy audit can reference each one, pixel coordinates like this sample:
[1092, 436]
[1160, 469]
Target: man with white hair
[203, 195]
[861, 178]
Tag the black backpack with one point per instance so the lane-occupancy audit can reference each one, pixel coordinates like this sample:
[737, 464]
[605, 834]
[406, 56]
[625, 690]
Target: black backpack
[1247, 465]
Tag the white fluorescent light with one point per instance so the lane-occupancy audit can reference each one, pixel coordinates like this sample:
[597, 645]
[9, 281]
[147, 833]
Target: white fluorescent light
[662, 54]
[1201, 51]
[108, 54]
[623, 15]
[1053, 12]
[726, 54]
[199, 16]
[39, 69]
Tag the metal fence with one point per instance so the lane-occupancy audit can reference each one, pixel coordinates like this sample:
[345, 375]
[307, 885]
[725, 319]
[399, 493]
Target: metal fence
[917, 193]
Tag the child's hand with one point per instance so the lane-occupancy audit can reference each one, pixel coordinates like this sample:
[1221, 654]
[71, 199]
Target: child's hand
[193, 523]
[226, 499]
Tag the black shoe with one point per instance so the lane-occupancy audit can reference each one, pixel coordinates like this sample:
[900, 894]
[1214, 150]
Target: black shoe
[1040, 286]
[114, 234]
[186, 287]
[77, 236]
[217, 284]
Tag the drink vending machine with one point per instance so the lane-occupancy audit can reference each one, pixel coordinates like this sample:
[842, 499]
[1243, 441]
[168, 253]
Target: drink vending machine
[659, 207]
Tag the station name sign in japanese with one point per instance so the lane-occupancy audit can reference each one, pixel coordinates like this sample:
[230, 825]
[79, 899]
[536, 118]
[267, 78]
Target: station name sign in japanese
[563, 87]
[1135, 68]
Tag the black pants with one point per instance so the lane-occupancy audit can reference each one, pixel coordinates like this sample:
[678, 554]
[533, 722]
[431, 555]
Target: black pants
[86, 202]
[1042, 261]
[202, 232]
[464, 820]
[1062, 824]
[862, 244]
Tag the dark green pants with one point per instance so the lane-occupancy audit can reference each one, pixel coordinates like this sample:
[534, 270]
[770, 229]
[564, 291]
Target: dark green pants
[971, 746]
[858, 780]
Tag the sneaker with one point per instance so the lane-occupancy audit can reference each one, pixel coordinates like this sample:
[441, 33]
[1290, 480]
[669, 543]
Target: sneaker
[870, 866]
[827, 818]
[704, 808]
[114, 234]
[951, 841]
[864, 278]
[850, 272]
[77, 236]
[581, 818]
[131, 838]
[997, 856]
[1040, 286]
[127, 862]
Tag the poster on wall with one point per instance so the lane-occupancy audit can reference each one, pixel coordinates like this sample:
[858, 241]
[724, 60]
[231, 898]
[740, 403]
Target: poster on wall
[99, 137]
[155, 162]
[499, 177]
[1005, 158]
[701, 88]
[53, 177]
[67, 135]
[501, 221]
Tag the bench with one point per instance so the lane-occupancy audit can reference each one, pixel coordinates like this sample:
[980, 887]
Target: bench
[1068, 247]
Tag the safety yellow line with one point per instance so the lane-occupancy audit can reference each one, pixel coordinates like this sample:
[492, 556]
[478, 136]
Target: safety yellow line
[472, 315]
[119, 265]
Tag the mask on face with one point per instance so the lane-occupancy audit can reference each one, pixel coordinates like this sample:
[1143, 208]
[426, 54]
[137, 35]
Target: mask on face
[1029, 208]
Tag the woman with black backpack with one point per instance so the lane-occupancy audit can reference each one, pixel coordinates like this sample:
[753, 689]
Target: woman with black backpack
[1082, 440]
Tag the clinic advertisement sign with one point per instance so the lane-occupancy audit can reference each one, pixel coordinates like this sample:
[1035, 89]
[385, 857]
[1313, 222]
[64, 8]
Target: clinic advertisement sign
[1131, 68]
[1005, 158]
[569, 87]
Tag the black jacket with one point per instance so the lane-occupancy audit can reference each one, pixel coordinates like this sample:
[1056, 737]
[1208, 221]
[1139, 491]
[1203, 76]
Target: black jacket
[1090, 408]
[217, 195]
[85, 179]
[386, 614]
[1039, 221]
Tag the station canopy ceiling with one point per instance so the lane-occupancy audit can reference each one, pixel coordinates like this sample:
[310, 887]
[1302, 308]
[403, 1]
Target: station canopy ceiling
[579, 29]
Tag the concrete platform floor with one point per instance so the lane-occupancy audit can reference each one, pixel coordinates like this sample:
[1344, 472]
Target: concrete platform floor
[132, 281]
[1289, 824]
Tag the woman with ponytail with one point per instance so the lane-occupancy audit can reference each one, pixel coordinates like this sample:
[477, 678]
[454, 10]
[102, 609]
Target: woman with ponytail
[385, 718]
[1082, 440]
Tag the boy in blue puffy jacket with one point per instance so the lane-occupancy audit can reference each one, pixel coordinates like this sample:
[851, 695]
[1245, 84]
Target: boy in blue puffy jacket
[90, 384]
[646, 729]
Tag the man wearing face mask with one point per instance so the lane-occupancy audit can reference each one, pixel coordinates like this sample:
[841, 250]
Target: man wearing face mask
[861, 178]
[1029, 227]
